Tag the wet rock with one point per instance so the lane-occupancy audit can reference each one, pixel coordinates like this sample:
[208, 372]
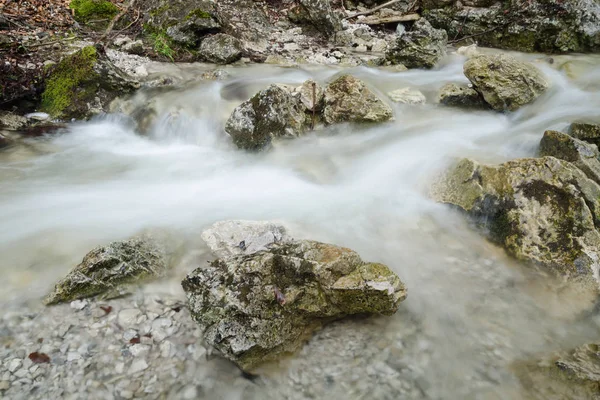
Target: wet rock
[505, 83]
[321, 15]
[12, 121]
[246, 20]
[407, 96]
[233, 238]
[348, 99]
[455, 95]
[256, 308]
[272, 113]
[587, 132]
[422, 47]
[547, 26]
[83, 84]
[221, 49]
[109, 269]
[573, 374]
[542, 210]
[311, 95]
[468, 51]
[583, 155]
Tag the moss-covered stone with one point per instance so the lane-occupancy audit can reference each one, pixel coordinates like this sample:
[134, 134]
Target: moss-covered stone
[66, 84]
[256, 307]
[542, 210]
[83, 84]
[422, 47]
[583, 155]
[86, 10]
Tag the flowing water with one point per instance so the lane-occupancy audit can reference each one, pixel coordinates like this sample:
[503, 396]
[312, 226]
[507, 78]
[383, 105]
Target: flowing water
[471, 310]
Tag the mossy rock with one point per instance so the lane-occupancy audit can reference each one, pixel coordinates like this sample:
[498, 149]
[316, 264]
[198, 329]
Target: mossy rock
[83, 84]
[257, 307]
[88, 10]
[542, 210]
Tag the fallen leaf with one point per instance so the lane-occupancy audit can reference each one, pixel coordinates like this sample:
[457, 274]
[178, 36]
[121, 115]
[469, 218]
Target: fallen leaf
[39, 358]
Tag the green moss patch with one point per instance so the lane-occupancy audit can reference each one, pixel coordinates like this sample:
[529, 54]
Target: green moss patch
[87, 10]
[68, 76]
[198, 13]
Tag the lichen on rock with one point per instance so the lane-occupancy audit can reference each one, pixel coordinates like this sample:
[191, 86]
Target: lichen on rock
[581, 154]
[542, 210]
[258, 307]
[422, 47]
[108, 270]
[587, 132]
[221, 49]
[505, 83]
[348, 99]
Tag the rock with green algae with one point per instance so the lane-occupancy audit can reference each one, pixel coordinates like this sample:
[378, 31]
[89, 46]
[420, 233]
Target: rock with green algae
[542, 210]
[87, 10]
[587, 132]
[259, 307]
[564, 375]
[348, 99]
[581, 154]
[83, 84]
[110, 270]
[504, 82]
[422, 47]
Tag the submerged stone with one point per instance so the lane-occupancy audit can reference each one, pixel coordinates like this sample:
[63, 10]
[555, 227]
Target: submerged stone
[504, 82]
[542, 210]
[258, 307]
[110, 269]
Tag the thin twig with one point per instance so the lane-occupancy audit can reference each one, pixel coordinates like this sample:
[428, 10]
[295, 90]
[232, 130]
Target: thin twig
[115, 19]
[50, 42]
[462, 25]
[314, 103]
[372, 10]
[480, 33]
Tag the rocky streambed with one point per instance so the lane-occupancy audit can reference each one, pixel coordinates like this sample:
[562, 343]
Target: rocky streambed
[390, 218]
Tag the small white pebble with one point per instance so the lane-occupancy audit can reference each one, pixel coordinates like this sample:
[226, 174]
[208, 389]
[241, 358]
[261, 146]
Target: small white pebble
[79, 304]
[138, 365]
[14, 364]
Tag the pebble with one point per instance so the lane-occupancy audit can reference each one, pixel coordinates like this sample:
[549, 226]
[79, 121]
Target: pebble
[14, 364]
[137, 350]
[76, 304]
[4, 385]
[138, 365]
[128, 317]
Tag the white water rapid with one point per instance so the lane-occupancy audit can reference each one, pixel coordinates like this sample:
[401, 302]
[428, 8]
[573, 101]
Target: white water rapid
[471, 310]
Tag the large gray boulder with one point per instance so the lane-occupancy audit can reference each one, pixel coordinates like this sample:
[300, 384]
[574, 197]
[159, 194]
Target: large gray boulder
[504, 82]
[542, 210]
[221, 49]
[272, 113]
[422, 47]
[240, 237]
[109, 270]
[255, 308]
[348, 99]
[586, 132]
[583, 155]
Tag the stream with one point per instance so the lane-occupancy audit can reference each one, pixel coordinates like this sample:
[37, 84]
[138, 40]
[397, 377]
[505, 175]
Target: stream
[471, 310]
